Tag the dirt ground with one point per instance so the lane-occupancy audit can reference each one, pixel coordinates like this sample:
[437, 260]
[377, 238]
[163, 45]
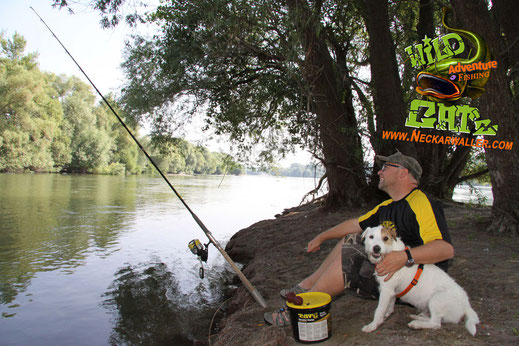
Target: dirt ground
[273, 255]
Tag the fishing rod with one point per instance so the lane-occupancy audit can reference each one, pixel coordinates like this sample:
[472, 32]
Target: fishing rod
[194, 246]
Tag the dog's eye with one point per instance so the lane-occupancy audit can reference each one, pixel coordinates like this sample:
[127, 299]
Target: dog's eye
[370, 237]
[386, 239]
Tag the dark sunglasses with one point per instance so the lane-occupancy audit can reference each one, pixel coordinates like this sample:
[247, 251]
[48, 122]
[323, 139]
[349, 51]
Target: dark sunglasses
[391, 165]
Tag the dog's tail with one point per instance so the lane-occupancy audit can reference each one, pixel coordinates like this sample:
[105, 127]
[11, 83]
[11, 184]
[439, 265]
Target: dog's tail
[471, 319]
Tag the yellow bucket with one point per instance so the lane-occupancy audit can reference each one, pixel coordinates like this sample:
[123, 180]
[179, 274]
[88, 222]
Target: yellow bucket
[311, 321]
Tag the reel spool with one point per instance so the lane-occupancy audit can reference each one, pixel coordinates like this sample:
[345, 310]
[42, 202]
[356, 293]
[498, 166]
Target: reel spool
[198, 249]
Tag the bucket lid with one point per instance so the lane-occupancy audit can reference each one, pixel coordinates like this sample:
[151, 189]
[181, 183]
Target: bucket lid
[312, 300]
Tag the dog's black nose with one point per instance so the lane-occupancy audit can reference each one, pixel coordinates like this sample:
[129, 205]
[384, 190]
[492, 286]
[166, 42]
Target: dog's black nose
[376, 249]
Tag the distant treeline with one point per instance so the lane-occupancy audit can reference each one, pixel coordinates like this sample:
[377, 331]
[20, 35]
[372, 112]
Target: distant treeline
[299, 170]
[51, 123]
[176, 155]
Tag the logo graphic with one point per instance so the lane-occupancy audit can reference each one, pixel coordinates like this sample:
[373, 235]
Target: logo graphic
[389, 225]
[448, 74]
[445, 76]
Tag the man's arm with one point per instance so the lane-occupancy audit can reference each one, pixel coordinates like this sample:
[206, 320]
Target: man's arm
[341, 230]
[432, 252]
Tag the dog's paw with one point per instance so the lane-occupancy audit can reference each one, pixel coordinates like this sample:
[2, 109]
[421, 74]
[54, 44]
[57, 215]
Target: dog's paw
[423, 324]
[421, 317]
[415, 324]
[368, 328]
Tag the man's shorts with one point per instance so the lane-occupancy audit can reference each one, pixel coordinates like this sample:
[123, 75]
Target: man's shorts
[358, 271]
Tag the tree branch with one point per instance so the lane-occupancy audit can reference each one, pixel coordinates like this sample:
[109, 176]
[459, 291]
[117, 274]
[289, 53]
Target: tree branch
[472, 176]
[316, 190]
[368, 107]
[318, 6]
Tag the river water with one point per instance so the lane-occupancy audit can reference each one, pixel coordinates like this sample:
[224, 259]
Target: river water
[93, 260]
[97, 260]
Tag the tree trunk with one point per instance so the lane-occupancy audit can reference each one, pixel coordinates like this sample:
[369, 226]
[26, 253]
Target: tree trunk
[500, 106]
[332, 103]
[503, 10]
[388, 98]
[426, 23]
[431, 156]
[440, 174]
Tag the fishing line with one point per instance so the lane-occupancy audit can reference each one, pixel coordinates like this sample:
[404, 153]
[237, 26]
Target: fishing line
[253, 291]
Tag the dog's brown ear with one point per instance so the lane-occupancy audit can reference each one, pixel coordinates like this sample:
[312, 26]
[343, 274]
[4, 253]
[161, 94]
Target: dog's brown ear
[391, 231]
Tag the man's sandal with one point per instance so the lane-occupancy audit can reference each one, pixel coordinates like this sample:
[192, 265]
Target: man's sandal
[279, 318]
[296, 289]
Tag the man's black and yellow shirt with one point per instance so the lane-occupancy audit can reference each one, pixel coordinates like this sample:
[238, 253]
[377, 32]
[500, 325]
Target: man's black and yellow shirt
[416, 219]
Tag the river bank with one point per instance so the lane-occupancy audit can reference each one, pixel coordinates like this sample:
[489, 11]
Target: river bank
[274, 257]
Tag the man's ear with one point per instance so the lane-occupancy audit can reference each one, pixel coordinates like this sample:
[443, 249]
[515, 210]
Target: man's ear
[404, 173]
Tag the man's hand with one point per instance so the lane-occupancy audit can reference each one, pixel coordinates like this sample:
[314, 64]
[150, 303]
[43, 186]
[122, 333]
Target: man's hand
[340, 231]
[391, 263]
[314, 245]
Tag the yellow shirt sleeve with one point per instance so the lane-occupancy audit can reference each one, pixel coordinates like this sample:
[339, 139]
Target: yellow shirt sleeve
[374, 210]
[425, 217]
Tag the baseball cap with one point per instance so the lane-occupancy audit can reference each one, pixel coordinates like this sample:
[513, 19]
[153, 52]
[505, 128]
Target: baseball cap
[405, 161]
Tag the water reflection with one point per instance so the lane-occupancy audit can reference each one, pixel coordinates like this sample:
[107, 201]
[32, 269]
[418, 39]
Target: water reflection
[53, 222]
[150, 309]
[64, 239]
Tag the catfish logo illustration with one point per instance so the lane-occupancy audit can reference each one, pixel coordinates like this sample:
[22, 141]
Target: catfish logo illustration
[437, 81]
[446, 78]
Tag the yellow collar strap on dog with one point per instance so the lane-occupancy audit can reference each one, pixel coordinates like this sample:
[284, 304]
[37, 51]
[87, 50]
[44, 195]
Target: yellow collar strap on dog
[413, 283]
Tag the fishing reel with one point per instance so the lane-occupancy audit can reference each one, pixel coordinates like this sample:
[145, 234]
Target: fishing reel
[202, 251]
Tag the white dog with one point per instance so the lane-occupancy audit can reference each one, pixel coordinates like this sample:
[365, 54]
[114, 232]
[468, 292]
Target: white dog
[435, 293]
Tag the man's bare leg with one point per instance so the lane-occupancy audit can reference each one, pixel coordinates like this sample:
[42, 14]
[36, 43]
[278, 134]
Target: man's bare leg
[331, 265]
[327, 278]
[331, 280]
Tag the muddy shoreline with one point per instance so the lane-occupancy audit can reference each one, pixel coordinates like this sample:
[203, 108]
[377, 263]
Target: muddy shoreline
[273, 257]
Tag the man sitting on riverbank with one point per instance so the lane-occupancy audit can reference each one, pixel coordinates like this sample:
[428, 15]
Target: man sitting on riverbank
[418, 221]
